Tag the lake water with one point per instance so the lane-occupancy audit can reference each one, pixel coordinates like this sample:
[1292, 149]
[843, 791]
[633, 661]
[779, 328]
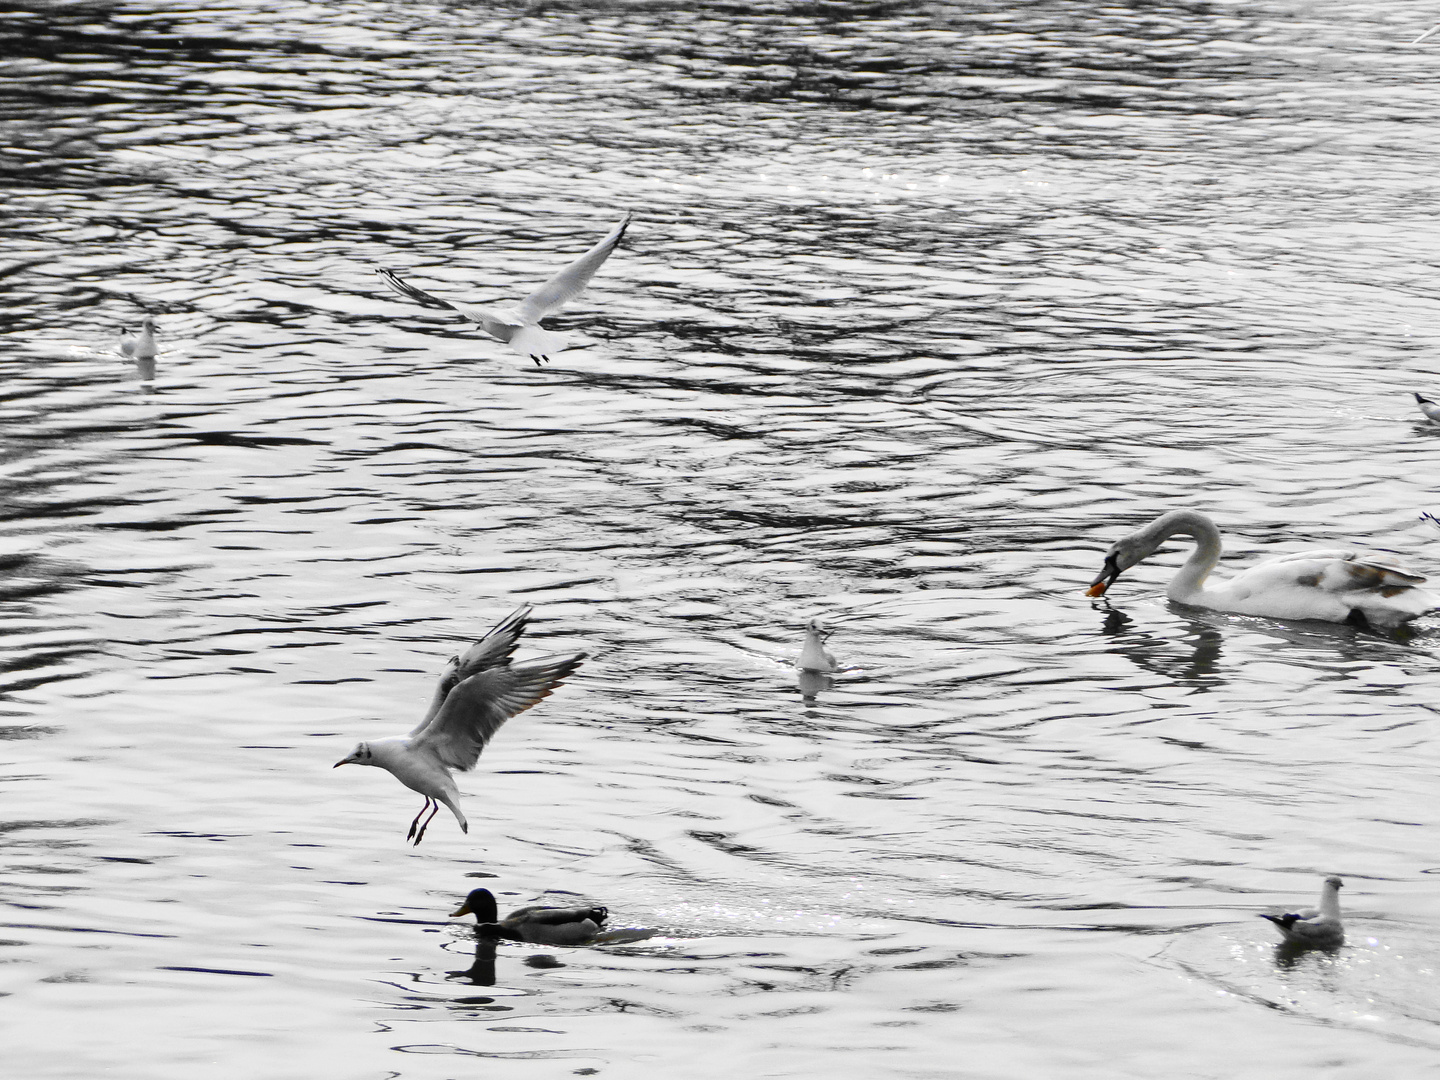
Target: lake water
[923, 305]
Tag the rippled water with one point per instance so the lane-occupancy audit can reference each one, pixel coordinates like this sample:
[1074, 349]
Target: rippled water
[922, 307]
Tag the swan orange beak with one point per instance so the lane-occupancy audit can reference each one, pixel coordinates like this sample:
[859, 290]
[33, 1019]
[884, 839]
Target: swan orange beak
[1105, 579]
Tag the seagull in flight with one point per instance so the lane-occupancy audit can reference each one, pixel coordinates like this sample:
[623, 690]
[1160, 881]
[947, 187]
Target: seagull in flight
[478, 692]
[1314, 929]
[519, 326]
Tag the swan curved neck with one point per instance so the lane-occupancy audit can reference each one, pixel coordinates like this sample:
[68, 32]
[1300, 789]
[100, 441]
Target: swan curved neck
[1190, 578]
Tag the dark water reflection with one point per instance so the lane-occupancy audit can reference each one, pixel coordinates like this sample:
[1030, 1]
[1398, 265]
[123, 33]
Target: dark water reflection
[924, 304]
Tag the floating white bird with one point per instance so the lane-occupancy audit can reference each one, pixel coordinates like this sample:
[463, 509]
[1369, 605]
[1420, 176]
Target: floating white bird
[814, 656]
[520, 326]
[140, 346]
[542, 925]
[1337, 586]
[1311, 928]
[1429, 406]
[479, 691]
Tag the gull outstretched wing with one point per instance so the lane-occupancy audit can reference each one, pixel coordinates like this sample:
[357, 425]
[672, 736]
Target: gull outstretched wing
[476, 708]
[570, 282]
[486, 320]
[492, 650]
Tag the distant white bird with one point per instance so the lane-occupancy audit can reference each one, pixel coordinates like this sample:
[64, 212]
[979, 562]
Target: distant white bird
[1429, 406]
[478, 692]
[1311, 928]
[140, 346]
[519, 326]
[814, 656]
[1426, 34]
[1334, 585]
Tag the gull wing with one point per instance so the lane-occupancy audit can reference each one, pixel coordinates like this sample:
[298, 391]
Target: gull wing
[570, 282]
[476, 708]
[492, 650]
[486, 320]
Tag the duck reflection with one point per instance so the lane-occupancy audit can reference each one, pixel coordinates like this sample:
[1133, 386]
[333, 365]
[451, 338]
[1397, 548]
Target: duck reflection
[482, 971]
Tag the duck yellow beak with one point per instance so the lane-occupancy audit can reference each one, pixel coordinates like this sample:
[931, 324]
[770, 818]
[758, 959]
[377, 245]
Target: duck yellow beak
[464, 910]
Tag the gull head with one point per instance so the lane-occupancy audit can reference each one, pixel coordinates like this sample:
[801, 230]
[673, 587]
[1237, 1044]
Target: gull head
[1334, 883]
[816, 627]
[361, 755]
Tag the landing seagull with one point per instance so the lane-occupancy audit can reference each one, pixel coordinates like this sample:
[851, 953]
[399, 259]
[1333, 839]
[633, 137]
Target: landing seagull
[478, 692]
[520, 326]
[1314, 929]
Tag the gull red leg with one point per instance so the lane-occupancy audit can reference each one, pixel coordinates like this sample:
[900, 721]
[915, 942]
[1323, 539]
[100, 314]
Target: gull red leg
[414, 825]
[434, 809]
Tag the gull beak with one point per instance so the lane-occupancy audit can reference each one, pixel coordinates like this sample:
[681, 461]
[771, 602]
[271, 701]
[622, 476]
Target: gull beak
[342, 761]
[464, 910]
[1105, 579]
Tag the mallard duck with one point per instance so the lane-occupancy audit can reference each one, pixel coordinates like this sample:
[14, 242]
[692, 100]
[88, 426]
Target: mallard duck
[140, 346]
[478, 692]
[1337, 586]
[539, 925]
[1315, 929]
[519, 327]
[1429, 406]
[814, 656]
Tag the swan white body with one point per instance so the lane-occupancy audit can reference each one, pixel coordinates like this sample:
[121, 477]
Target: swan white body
[814, 656]
[140, 346]
[1429, 406]
[1337, 586]
[478, 692]
[519, 327]
[1315, 928]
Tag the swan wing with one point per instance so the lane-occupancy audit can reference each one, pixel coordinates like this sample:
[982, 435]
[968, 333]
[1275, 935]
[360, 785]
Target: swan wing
[571, 281]
[1343, 570]
[492, 650]
[476, 708]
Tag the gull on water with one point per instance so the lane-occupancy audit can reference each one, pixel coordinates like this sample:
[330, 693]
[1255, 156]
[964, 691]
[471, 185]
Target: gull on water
[1429, 406]
[1334, 585]
[541, 925]
[814, 656]
[519, 326]
[1312, 928]
[140, 346]
[478, 692]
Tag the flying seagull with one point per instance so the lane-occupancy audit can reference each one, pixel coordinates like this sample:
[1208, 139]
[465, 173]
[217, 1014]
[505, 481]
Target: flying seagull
[1314, 929]
[519, 327]
[478, 692]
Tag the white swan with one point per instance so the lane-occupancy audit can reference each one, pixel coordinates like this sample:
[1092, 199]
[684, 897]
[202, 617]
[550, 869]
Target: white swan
[519, 327]
[140, 346]
[814, 656]
[1311, 928]
[1337, 586]
[479, 691]
[1429, 406]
